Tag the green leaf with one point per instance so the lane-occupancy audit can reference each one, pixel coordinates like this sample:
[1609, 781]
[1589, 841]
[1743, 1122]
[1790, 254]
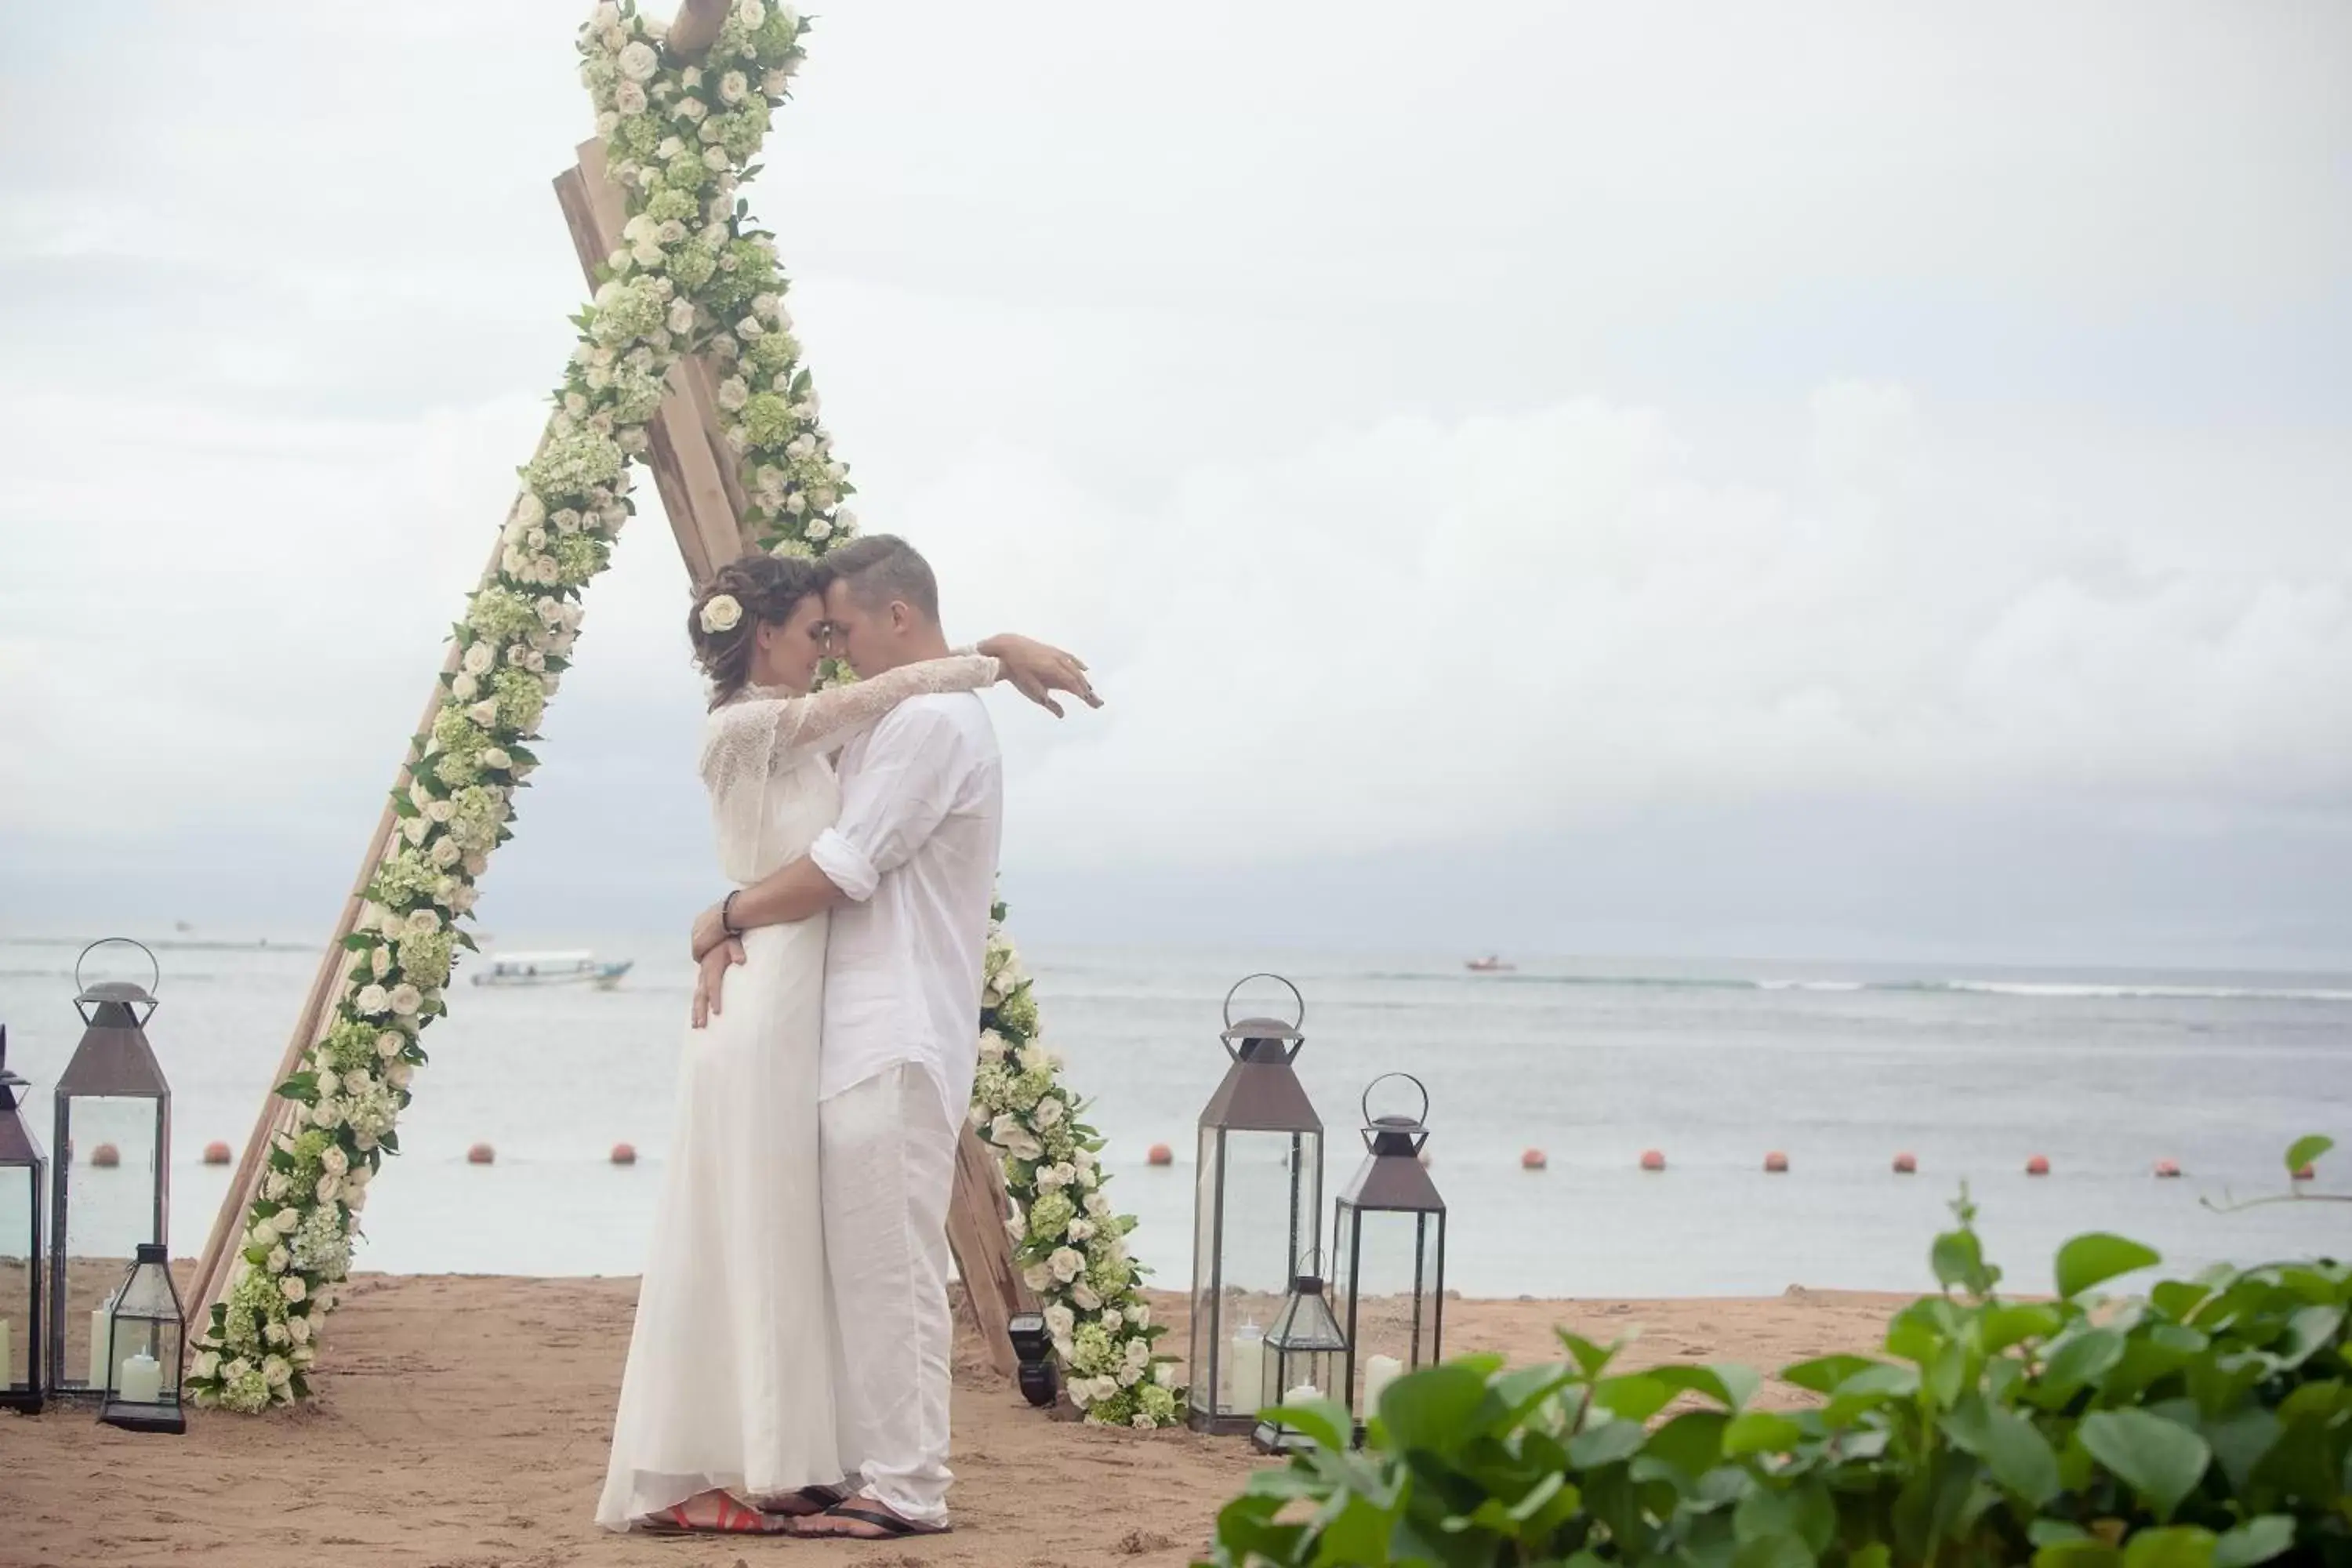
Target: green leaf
[2020, 1458]
[2081, 1359]
[2306, 1151]
[2012, 1323]
[2183, 1546]
[2311, 1329]
[1635, 1397]
[1761, 1432]
[1878, 1554]
[1692, 1442]
[1430, 1408]
[2097, 1257]
[2087, 1553]
[1604, 1444]
[2256, 1540]
[1727, 1383]
[1958, 1259]
[1823, 1374]
[1587, 1356]
[2161, 1462]
[1773, 1552]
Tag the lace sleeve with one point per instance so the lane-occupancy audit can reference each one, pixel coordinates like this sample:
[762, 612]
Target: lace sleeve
[754, 735]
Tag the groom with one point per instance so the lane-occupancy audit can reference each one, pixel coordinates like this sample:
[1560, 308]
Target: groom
[909, 871]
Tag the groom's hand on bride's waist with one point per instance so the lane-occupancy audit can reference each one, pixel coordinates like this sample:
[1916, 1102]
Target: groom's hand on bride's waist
[710, 974]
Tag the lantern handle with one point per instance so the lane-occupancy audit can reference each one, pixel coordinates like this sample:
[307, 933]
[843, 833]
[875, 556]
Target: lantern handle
[1298, 1023]
[153, 985]
[1366, 1103]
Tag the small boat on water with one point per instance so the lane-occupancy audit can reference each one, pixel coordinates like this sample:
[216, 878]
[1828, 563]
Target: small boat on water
[1490, 964]
[581, 968]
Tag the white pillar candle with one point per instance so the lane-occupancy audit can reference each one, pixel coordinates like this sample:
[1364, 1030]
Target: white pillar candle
[101, 1332]
[1379, 1372]
[6, 1376]
[142, 1379]
[1246, 1358]
[1302, 1392]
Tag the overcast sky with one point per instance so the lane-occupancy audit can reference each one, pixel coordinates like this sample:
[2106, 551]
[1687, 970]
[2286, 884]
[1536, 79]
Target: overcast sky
[1813, 479]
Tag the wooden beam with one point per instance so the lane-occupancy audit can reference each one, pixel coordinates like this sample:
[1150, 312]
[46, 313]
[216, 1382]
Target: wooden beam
[695, 484]
[984, 1254]
[217, 1265]
[696, 26]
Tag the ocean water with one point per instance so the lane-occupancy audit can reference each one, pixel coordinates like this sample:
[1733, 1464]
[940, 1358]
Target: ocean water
[1839, 1066]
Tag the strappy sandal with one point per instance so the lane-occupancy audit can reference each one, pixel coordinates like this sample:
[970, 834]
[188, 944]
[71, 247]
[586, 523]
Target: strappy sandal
[816, 1499]
[734, 1518]
[890, 1525]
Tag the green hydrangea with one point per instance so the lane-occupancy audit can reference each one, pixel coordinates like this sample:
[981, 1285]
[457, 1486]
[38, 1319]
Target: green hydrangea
[1158, 1402]
[246, 1392]
[578, 556]
[668, 205]
[1110, 1276]
[767, 420]
[522, 698]
[502, 615]
[1030, 1088]
[350, 1043]
[773, 351]
[1050, 1217]
[1092, 1352]
[693, 264]
[457, 769]
[1017, 1015]
[403, 880]
[639, 135]
[424, 961]
[634, 396]
[576, 463]
[623, 314]
[320, 1247]
[477, 813]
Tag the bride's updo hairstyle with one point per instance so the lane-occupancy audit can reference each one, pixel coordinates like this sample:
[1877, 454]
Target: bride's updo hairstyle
[731, 605]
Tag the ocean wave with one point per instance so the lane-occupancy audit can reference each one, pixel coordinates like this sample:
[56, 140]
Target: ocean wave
[2040, 990]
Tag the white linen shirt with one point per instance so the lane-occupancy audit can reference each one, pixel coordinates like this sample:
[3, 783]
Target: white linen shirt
[922, 814]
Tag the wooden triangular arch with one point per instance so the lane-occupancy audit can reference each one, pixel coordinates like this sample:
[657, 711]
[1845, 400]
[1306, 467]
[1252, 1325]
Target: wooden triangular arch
[702, 493]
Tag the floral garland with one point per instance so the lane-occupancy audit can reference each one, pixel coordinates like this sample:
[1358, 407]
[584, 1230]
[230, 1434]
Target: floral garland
[692, 277]
[1070, 1243]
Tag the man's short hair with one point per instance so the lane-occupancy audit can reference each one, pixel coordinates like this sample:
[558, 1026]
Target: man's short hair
[882, 567]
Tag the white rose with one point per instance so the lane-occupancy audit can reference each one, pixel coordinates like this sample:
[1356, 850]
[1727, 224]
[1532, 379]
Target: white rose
[275, 1370]
[754, 13]
[638, 62]
[606, 16]
[235, 1369]
[733, 393]
[477, 863]
[438, 811]
[1066, 1264]
[497, 757]
[356, 1201]
[818, 529]
[479, 656]
[714, 159]
[484, 712]
[371, 999]
[445, 853]
[329, 1082]
[1139, 1315]
[1049, 1114]
[1081, 1229]
[328, 1114]
[335, 1161]
[1037, 1277]
[277, 1261]
[286, 1221]
[277, 1186]
[292, 1288]
[681, 316]
[206, 1364]
[1141, 1422]
[752, 327]
[399, 1073]
[629, 98]
[414, 828]
[1061, 1321]
[796, 503]
[733, 88]
[406, 999]
[329, 1187]
[692, 111]
[1085, 1296]
[388, 1045]
[360, 1176]
[379, 962]
[1016, 1228]
[298, 1328]
[845, 520]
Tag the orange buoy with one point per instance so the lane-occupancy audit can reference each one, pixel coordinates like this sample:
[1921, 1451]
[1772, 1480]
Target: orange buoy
[1161, 1154]
[216, 1154]
[2038, 1165]
[106, 1156]
[625, 1154]
[1776, 1163]
[1533, 1160]
[481, 1154]
[1654, 1159]
[2167, 1167]
[1906, 1164]
[2305, 1174]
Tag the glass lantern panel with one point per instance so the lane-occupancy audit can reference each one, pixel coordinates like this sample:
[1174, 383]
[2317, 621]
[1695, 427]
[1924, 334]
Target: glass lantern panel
[109, 1210]
[1397, 1263]
[158, 1339]
[1254, 1236]
[17, 1196]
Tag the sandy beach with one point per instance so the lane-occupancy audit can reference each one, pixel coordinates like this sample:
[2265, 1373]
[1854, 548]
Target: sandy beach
[462, 1423]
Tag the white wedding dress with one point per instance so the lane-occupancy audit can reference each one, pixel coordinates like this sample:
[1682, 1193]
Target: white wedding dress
[730, 1377]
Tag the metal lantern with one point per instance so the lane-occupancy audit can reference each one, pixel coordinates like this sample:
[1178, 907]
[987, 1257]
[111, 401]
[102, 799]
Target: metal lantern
[23, 1183]
[1388, 1253]
[149, 1333]
[1258, 1212]
[1306, 1357]
[113, 1115]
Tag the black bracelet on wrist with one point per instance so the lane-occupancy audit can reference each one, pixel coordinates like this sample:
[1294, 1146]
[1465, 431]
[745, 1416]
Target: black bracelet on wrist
[727, 915]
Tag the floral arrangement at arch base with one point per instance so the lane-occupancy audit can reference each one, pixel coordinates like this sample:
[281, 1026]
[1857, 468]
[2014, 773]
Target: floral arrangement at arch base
[1068, 1241]
[692, 277]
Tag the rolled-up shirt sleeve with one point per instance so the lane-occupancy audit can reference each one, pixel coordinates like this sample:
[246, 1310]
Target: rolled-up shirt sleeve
[899, 794]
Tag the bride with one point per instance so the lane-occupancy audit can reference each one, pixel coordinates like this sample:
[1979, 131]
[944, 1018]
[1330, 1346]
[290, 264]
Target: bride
[726, 1418]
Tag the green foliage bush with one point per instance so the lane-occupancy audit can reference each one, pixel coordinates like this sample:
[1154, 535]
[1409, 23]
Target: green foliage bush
[2205, 1424]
